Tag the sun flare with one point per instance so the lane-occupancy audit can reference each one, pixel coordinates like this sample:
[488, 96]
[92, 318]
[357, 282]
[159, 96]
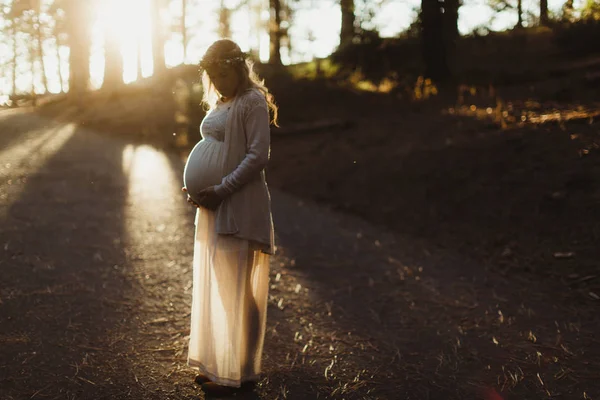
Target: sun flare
[129, 20]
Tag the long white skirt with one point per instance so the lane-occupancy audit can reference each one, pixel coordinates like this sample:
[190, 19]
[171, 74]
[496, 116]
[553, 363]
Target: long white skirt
[229, 305]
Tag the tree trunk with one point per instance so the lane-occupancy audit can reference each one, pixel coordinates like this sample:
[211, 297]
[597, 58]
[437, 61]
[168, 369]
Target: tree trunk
[224, 21]
[451, 33]
[567, 11]
[40, 47]
[59, 64]
[113, 61]
[184, 36]
[275, 32]
[78, 23]
[158, 39]
[544, 21]
[139, 59]
[432, 37]
[256, 27]
[14, 64]
[520, 13]
[32, 53]
[14, 59]
[348, 17]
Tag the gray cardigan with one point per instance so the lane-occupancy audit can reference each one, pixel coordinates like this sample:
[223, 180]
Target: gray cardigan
[246, 209]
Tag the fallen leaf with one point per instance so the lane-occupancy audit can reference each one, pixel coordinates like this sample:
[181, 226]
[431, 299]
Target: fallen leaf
[564, 255]
[159, 320]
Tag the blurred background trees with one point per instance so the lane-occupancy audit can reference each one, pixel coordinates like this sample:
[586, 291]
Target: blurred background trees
[51, 46]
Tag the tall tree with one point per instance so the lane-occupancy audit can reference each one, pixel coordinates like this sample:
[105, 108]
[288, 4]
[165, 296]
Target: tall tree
[432, 37]
[40, 38]
[78, 16]
[568, 11]
[59, 64]
[58, 32]
[256, 24]
[275, 32]
[14, 58]
[139, 58]
[544, 21]
[225, 13]
[32, 55]
[348, 18]
[439, 33]
[27, 14]
[11, 30]
[184, 32]
[224, 21]
[113, 60]
[158, 37]
[503, 5]
[451, 33]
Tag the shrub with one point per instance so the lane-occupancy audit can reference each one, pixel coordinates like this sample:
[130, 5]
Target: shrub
[377, 59]
[578, 38]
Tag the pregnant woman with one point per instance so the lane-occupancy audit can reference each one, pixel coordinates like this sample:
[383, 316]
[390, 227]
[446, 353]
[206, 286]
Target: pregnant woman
[224, 177]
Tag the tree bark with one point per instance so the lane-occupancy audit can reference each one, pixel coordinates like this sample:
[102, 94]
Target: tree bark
[40, 46]
[544, 21]
[78, 23]
[58, 29]
[567, 11]
[14, 63]
[158, 40]
[348, 17]
[275, 32]
[224, 21]
[256, 26]
[451, 33]
[32, 53]
[432, 37]
[520, 13]
[184, 35]
[439, 34]
[14, 59]
[139, 59]
[59, 64]
[113, 61]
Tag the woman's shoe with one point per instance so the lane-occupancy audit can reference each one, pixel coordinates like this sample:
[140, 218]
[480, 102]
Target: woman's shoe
[214, 389]
[200, 379]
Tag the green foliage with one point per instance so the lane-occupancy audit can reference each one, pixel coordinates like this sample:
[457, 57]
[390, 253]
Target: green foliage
[579, 38]
[591, 10]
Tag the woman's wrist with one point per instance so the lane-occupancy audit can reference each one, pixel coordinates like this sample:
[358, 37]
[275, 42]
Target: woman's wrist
[220, 191]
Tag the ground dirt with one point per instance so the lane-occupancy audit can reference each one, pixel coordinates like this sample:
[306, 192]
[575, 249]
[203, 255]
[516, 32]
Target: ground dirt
[423, 253]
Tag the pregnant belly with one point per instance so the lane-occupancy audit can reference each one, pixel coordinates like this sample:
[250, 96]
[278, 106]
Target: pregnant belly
[203, 167]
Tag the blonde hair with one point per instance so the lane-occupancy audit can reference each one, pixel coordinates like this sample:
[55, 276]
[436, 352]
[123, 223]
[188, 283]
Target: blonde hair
[226, 51]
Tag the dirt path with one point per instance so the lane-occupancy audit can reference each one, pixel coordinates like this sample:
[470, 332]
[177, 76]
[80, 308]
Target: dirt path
[95, 293]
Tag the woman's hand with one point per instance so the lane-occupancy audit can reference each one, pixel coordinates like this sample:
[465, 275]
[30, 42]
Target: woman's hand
[208, 198]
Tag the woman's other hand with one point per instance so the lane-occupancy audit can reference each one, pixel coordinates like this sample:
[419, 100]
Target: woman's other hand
[189, 199]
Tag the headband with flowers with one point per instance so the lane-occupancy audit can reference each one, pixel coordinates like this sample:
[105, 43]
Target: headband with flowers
[232, 58]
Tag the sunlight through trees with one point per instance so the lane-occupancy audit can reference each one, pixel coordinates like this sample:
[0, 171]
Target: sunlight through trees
[51, 46]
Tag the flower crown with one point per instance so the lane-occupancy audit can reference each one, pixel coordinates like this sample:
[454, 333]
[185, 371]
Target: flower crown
[231, 58]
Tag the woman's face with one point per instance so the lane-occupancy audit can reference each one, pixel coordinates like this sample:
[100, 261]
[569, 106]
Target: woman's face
[225, 79]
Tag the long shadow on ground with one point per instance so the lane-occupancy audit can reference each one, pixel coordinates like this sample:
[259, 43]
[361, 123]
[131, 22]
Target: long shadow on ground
[94, 304]
[63, 291]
